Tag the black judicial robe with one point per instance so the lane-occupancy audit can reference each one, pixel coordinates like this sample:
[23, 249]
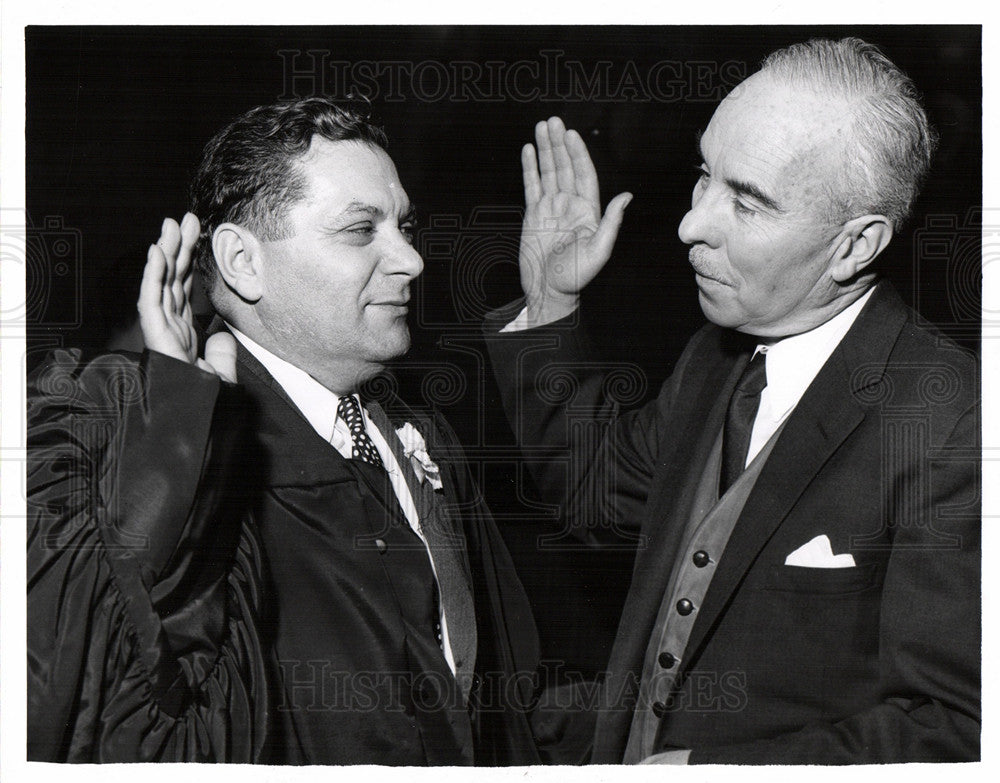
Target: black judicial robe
[209, 580]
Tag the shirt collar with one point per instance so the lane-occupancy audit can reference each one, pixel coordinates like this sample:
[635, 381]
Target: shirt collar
[317, 403]
[793, 363]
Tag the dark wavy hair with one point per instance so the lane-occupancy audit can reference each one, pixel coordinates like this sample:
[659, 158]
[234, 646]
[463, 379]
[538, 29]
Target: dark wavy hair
[247, 173]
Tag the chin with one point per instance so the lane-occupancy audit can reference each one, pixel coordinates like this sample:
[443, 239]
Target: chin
[718, 315]
[394, 348]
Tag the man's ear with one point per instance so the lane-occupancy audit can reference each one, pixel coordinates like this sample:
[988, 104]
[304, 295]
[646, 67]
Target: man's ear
[238, 257]
[861, 241]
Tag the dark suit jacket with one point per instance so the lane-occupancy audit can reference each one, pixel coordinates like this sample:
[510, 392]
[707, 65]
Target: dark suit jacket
[210, 580]
[876, 663]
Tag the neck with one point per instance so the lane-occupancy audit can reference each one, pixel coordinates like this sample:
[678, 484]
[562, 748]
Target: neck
[339, 376]
[815, 317]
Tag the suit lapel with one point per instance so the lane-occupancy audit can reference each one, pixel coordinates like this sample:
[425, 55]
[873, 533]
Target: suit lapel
[389, 414]
[673, 490]
[297, 455]
[422, 494]
[825, 416]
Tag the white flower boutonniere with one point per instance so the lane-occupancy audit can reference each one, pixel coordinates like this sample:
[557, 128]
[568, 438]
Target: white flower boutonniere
[416, 451]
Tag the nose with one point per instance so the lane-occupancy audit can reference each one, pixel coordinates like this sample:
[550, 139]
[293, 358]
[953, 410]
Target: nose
[403, 259]
[701, 223]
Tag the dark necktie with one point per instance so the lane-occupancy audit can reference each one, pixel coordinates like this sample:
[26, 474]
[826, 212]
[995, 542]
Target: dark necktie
[362, 447]
[739, 421]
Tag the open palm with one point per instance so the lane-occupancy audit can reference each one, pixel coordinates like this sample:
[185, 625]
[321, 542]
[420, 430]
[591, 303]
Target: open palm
[564, 240]
[165, 313]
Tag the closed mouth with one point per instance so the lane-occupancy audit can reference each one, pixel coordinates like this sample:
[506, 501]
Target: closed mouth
[704, 276]
[700, 270]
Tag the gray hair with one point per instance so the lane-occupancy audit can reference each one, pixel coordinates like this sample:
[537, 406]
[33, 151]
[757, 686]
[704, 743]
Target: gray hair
[892, 141]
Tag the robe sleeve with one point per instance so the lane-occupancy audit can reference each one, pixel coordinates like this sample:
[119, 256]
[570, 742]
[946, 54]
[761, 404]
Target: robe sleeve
[143, 570]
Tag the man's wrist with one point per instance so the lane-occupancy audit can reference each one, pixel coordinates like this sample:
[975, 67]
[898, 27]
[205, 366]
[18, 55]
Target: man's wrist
[526, 320]
[549, 309]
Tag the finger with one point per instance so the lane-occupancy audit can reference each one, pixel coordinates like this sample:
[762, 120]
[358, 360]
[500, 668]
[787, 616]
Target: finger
[220, 355]
[151, 288]
[546, 162]
[169, 304]
[170, 243]
[607, 231]
[529, 170]
[190, 230]
[583, 169]
[564, 166]
[189, 285]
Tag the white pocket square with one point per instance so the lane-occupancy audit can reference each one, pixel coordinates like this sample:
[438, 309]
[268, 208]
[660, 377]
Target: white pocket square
[818, 554]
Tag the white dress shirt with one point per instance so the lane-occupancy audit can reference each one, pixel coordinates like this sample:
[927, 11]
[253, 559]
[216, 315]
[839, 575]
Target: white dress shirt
[791, 365]
[319, 406]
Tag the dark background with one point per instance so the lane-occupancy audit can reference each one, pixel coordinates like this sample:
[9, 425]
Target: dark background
[117, 117]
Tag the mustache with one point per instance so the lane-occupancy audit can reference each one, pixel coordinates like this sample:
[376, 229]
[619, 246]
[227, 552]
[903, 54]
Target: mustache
[697, 256]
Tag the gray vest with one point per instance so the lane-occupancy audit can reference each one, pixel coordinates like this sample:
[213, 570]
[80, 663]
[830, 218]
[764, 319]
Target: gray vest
[706, 534]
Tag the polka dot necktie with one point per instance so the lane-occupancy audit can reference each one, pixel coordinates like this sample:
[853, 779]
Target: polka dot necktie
[362, 447]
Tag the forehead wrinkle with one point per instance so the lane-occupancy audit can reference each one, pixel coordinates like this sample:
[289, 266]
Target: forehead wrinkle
[359, 206]
[791, 139]
[373, 165]
[799, 160]
[405, 207]
[755, 172]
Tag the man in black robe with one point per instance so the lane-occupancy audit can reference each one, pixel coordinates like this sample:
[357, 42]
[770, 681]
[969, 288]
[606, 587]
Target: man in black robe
[239, 557]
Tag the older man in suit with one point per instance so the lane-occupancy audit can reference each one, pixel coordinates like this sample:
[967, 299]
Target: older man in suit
[251, 556]
[806, 483]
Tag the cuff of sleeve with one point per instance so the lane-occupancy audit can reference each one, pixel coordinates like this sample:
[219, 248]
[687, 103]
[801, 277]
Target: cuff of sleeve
[519, 324]
[513, 318]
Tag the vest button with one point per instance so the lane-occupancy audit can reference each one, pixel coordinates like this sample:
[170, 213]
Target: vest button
[659, 709]
[684, 607]
[666, 660]
[701, 558]
[381, 546]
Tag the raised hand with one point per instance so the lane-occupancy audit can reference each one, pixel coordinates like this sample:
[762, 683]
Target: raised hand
[165, 303]
[564, 240]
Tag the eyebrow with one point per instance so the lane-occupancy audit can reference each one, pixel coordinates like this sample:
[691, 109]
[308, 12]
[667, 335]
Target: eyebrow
[744, 188]
[749, 189]
[359, 206]
[356, 207]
